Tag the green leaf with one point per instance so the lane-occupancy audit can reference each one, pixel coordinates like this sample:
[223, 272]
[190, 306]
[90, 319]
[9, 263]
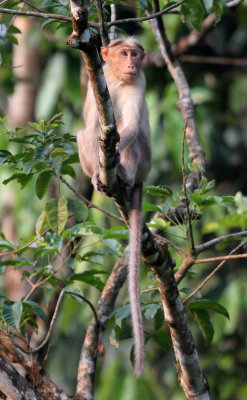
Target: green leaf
[12, 38]
[37, 126]
[143, 5]
[27, 167]
[151, 207]
[78, 208]
[68, 170]
[208, 4]
[117, 232]
[227, 199]
[13, 29]
[202, 318]
[95, 256]
[114, 246]
[42, 183]
[207, 186]
[23, 179]
[193, 12]
[160, 224]
[57, 165]
[6, 244]
[4, 155]
[161, 192]
[210, 306]
[219, 8]
[121, 314]
[204, 201]
[90, 278]
[150, 310]
[30, 308]
[47, 22]
[158, 319]
[40, 223]
[11, 314]
[162, 338]
[57, 214]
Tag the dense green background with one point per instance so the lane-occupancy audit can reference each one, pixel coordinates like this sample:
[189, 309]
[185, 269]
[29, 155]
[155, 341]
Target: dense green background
[221, 115]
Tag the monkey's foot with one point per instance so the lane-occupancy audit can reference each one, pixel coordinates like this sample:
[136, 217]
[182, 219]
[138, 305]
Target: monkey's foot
[98, 185]
[116, 159]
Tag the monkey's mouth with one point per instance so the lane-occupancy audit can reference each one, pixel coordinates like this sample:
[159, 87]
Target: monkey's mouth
[129, 74]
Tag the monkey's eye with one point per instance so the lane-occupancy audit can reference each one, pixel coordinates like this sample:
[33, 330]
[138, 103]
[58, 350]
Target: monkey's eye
[124, 53]
[133, 53]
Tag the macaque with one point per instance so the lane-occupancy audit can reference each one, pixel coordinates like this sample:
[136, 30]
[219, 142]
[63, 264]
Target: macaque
[126, 83]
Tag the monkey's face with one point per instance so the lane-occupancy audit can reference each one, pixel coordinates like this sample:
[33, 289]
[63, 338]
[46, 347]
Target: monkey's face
[125, 62]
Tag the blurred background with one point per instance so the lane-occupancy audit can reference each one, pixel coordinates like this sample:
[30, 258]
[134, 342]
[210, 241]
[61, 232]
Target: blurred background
[41, 76]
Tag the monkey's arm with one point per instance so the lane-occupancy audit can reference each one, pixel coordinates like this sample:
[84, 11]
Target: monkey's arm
[90, 113]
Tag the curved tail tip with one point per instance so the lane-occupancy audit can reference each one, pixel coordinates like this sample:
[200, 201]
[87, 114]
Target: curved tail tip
[139, 370]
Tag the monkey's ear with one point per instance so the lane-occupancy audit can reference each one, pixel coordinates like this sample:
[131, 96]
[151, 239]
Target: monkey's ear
[145, 53]
[104, 53]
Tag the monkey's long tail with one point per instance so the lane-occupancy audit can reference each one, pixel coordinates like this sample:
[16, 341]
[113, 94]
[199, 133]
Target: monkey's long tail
[135, 221]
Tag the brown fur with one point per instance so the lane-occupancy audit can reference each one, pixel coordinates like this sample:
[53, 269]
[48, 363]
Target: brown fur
[126, 84]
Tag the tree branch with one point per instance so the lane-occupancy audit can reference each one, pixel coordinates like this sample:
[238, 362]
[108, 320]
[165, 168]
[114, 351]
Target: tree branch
[203, 283]
[37, 14]
[148, 17]
[88, 357]
[15, 386]
[185, 103]
[102, 27]
[89, 203]
[190, 372]
[205, 246]
[190, 259]
[155, 254]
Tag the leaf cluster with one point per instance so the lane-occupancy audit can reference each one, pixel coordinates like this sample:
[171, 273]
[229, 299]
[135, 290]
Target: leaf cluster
[42, 153]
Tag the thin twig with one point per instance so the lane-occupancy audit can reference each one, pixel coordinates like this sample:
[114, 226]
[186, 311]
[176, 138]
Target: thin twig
[102, 28]
[2, 2]
[90, 205]
[148, 17]
[185, 104]
[184, 187]
[26, 245]
[203, 283]
[54, 317]
[35, 14]
[205, 246]
[206, 260]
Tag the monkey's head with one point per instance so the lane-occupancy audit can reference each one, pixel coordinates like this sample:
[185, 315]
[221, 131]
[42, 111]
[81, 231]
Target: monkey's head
[124, 57]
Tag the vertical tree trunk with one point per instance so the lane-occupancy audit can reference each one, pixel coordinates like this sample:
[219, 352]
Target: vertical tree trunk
[27, 66]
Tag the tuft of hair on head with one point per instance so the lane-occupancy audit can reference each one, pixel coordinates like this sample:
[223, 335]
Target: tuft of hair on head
[131, 41]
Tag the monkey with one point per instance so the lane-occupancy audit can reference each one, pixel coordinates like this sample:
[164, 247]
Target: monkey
[126, 83]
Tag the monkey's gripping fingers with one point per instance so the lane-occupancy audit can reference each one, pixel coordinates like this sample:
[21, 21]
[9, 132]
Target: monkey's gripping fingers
[117, 158]
[98, 185]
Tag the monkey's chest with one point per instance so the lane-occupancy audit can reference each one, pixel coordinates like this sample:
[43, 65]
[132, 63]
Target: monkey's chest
[124, 104]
